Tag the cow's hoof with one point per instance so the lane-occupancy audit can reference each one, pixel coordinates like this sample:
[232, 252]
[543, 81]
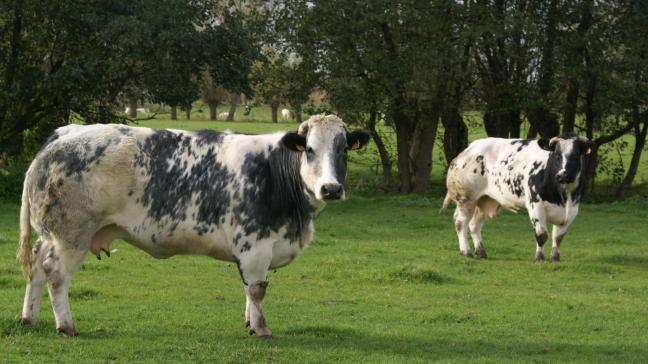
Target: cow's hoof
[481, 253]
[26, 321]
[68, 331]
[247, 324]
[539, 257]
[466, 254]
[263, 333]
[555, 256]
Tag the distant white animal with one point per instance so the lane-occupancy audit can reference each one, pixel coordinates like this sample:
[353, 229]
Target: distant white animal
[285, 114]
[223, 116]
[139, 109]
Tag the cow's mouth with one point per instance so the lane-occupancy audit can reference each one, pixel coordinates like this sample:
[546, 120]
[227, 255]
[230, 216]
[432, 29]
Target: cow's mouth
[333, 198]
[565, 180]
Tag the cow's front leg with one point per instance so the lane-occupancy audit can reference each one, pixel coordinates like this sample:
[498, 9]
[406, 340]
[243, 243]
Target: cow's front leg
[539, 223]
[253, 265]
[557, 234]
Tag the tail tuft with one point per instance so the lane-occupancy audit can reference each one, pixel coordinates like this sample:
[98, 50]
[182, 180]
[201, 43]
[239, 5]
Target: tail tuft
[24, 252]
[446, 202]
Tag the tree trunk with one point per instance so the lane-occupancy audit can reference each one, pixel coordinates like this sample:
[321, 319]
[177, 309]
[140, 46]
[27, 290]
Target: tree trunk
[502, 122]
[212, 110]
[640, 142]
[273, 110]
[188, 113]
[569, 118]
[455, 135]
[515, 121]
[174, 112]
[592, 164]
[385, 160]
[543, 122]
[404, 132]
[232, 110]
[590, 115]
[424, 137]
[132, 104]
[298, 116]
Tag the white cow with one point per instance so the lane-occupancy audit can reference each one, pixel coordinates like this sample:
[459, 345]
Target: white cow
[285, 114]
[544, 177]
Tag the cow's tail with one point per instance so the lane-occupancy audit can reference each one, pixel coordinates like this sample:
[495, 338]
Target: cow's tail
[446, 201]
[24, 252]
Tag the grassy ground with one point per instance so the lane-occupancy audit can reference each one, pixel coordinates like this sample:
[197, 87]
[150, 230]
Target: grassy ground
[382, 282]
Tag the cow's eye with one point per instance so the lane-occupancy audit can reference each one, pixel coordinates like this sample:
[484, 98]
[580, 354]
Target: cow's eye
[310, 150]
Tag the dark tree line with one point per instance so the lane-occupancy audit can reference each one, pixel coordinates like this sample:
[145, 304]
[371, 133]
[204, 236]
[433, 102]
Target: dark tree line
[71, 60]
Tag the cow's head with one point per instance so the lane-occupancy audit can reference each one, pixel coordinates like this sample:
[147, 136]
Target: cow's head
[323, 142]
[567, 156]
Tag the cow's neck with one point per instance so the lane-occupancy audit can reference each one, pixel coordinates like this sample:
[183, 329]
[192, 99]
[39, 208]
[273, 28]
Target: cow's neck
[288, 193]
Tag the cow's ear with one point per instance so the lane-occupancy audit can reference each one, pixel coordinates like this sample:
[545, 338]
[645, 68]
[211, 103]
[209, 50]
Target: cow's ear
[587, 147]
[294, 142]
[544, 143]
[357, 139]
[547, 144]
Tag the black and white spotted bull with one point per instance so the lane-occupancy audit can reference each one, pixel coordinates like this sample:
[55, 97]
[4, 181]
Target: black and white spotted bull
[248, 199]
[545, 177]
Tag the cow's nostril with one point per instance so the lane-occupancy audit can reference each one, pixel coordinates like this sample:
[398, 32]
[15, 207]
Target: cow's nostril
[331, 190]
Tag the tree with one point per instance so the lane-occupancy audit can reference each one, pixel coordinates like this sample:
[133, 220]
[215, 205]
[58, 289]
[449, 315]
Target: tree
[268, 81]
[634, 71]
[212, 94]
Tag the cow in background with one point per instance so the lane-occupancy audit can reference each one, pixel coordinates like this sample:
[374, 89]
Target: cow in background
[544, 177]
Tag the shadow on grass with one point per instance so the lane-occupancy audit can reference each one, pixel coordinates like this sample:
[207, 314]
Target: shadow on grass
[46, 329]
[437, 348]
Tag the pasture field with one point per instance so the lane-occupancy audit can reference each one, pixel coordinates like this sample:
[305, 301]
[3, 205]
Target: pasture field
[383, 281]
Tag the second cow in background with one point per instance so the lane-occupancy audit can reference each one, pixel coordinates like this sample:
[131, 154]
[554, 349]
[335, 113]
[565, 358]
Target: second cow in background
[545, 177]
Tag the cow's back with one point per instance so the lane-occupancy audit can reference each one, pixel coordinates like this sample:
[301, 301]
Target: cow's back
[496, 167]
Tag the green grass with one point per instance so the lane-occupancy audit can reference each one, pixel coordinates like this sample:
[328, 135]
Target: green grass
[381, 282]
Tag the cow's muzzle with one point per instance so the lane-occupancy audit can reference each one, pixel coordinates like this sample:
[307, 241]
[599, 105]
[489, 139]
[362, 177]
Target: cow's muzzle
[563, 178]
[332, 191]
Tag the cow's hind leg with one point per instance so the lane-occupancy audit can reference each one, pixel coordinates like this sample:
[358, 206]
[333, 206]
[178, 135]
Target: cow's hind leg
[462, 216]
[59, 265]
[35, 283]
[557, 234]
[476, 224]
[253, 266]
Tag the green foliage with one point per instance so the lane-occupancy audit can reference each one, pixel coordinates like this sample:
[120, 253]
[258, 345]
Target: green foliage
[12, 175]
[67, 59]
